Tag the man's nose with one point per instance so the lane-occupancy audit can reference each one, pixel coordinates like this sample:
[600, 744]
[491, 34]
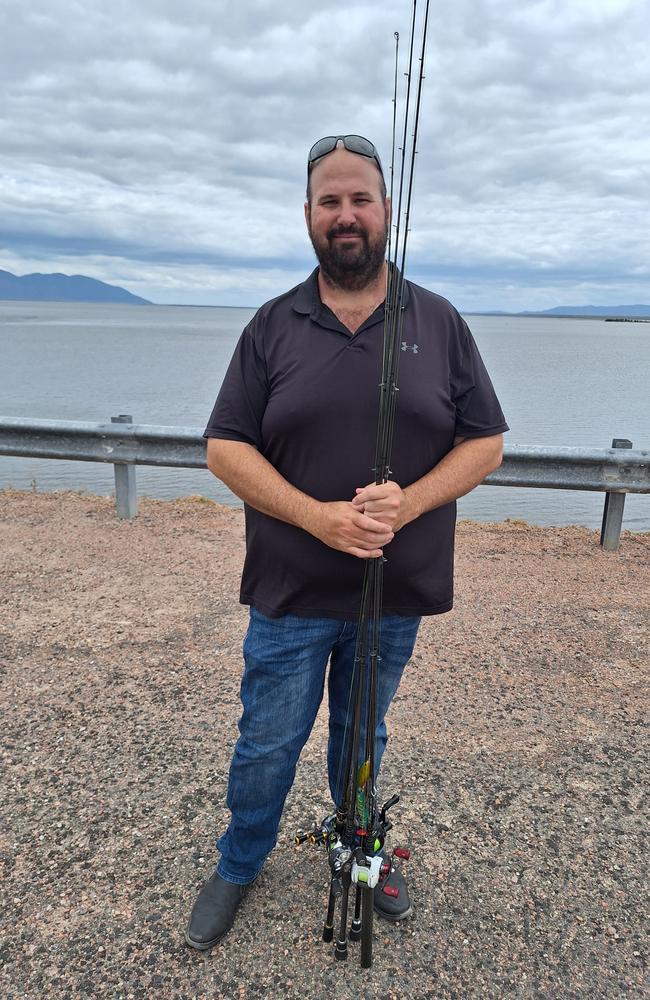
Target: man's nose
[347, 214]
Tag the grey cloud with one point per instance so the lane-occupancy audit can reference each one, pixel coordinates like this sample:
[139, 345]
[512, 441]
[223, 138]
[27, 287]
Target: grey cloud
[177, 134]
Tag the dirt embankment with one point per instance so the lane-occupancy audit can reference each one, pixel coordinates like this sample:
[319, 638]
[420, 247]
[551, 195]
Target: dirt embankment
[518, 743]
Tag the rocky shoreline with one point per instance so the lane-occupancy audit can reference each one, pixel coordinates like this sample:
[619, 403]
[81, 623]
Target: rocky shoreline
[518, 744]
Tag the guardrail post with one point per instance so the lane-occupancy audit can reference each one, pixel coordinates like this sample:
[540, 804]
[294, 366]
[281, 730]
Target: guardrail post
[610, 533]
[126, 497]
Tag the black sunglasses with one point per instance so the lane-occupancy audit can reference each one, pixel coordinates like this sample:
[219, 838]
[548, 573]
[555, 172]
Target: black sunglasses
[353, 144]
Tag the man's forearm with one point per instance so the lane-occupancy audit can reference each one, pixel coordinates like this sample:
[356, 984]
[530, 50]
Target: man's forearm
[255, 481]
[463, 468]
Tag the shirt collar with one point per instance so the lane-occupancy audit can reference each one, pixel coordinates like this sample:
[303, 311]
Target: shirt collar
[308, 302]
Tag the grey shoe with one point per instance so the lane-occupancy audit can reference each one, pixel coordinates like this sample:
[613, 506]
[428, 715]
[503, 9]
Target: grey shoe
[395, 903]
[213, 913]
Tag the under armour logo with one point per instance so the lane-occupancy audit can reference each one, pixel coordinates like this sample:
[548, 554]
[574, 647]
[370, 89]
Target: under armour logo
[409, 347]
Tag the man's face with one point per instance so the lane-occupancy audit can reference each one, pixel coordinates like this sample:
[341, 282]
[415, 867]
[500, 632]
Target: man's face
[348, 219]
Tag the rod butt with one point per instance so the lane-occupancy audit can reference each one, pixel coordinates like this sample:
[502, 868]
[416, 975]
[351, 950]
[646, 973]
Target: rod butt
[341, 951]
[367, 914]
[355, 930]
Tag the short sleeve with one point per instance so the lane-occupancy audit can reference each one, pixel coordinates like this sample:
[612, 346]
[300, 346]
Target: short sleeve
[239, 408]
[478, 412]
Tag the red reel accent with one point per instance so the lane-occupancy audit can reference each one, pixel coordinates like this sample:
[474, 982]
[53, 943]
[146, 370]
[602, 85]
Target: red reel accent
[391, 890]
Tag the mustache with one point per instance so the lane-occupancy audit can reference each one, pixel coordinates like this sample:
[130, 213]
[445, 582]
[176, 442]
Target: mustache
[346, 231]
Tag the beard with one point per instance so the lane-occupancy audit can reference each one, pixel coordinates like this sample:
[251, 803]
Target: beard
[350, 267]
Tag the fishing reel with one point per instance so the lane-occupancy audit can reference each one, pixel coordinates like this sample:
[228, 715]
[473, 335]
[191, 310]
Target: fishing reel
[366, 870]
[331, 834]
[325, 834]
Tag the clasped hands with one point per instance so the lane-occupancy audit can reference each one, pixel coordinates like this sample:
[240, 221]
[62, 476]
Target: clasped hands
[362, 526]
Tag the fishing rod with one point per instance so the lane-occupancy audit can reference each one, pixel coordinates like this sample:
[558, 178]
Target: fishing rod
[354, 835]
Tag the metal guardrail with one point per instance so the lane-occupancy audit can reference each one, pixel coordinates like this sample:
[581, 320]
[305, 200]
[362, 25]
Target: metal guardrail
[614, 471]
[118, 441]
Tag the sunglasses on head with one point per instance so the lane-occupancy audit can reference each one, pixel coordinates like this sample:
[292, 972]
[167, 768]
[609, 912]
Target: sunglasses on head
[353, 144]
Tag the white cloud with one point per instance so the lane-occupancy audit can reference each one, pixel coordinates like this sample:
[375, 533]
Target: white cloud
[164, 145]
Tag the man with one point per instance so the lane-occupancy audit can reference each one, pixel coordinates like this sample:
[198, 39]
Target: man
[293, 434]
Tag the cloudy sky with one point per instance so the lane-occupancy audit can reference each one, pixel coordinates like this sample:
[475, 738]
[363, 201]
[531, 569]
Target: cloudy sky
[162, 145]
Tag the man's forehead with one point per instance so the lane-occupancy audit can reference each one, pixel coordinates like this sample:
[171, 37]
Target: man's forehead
[341, 169]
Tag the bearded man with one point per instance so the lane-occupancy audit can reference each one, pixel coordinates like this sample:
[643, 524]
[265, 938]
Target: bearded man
[293, 434]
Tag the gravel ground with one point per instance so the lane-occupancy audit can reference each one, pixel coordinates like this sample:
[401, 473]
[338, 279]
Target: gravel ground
[518, 745]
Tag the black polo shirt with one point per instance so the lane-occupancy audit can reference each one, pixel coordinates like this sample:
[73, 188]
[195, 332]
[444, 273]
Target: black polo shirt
[305, 391]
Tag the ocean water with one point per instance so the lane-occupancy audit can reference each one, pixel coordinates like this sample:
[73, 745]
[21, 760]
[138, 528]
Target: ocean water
[560, 381]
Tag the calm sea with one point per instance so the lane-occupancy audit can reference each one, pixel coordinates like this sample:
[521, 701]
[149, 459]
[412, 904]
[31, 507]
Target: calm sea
[560, 381]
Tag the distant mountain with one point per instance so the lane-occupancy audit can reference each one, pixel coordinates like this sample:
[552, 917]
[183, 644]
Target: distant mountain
[636, 310]
[63, 288]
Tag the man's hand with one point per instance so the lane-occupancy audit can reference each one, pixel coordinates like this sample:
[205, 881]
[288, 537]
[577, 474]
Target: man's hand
[464, 467]
[338, 524]
[342, 526]
[386, 503]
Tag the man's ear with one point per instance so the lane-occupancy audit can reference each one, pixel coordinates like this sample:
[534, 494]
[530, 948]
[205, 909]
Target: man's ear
[307, 215]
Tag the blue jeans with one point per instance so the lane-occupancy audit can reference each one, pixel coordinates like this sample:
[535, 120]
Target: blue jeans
[285, 661]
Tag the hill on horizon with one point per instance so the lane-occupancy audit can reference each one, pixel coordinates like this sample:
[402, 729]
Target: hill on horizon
[628, 310]
[63, 288]
[59, 287]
